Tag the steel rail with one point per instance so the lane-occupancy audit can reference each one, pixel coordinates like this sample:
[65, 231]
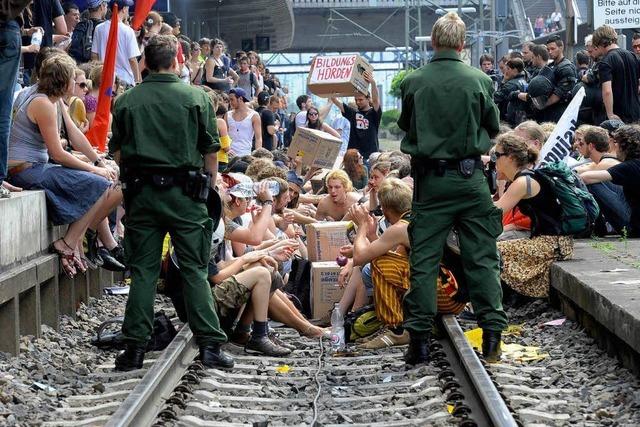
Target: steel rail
[493, 404]
[141, 407]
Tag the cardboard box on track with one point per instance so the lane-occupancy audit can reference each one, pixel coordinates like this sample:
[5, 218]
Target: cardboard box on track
[338, 76]
[325, 291]
[324, 239]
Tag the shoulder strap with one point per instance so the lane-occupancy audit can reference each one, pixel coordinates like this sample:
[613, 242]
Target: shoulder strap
[527, 173]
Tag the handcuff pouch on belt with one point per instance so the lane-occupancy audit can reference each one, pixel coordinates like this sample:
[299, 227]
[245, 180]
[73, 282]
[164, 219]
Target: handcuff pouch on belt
[465, 167]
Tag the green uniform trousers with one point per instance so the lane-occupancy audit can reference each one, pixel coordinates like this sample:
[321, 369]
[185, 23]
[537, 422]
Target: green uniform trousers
[441, 202]
[151, 214]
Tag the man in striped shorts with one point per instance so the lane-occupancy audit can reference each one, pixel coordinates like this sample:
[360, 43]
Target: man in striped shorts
[389, 258]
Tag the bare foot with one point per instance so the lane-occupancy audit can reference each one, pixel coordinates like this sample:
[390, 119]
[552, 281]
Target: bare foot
[316, 331]
[11, 188]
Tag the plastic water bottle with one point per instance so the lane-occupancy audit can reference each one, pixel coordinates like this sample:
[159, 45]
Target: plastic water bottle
[337, 328]
[36, 38]
[274, 187]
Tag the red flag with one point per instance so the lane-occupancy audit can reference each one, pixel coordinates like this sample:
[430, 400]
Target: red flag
[97, 134]
[142, 10]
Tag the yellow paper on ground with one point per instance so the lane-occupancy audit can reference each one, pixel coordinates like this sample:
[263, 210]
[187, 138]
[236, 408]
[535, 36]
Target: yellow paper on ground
[283, 369]
[474, 336]
[521, 353]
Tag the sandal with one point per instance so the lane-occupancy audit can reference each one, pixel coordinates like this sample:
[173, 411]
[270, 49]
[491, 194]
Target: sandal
[66, 259]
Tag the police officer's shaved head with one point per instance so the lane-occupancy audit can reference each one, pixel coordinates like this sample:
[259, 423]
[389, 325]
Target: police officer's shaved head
[448, 32]
[161, 51]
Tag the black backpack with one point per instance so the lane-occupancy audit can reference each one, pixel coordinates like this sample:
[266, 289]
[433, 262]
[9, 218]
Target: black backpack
[299, 285]
[81, 41]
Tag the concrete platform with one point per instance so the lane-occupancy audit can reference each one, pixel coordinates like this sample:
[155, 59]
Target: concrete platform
[600, 288]
[32, 289]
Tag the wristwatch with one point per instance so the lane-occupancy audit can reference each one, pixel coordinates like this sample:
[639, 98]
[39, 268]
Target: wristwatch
[97, 162]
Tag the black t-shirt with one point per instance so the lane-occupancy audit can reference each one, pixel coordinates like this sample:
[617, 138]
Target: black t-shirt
[627, 174]
[622, 69]
[364, 129]
[44, 11]
[268, 119]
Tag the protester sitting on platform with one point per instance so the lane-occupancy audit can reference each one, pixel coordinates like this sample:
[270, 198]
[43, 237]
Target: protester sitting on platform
[353, 165]
[626, 174]
[79, 194]
[532, 133]
[610, 197]
[526, 262]
[335, 205]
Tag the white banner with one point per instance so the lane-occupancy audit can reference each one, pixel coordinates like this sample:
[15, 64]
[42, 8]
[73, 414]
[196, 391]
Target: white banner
[558, 146]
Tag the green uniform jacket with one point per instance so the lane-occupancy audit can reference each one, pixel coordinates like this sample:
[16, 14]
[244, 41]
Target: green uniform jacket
[164, 123]
[464, 127]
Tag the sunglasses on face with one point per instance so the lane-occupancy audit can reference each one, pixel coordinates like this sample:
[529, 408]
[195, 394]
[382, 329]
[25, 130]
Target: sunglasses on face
[82, 85]
[496, 155]
[313, 114]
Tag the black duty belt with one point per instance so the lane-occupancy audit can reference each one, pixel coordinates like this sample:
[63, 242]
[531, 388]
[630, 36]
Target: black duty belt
[466, 166]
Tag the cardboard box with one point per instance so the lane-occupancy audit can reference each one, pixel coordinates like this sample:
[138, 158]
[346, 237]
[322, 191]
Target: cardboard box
[317, 148]
[324, 239]
[325, 291]
[338, 76]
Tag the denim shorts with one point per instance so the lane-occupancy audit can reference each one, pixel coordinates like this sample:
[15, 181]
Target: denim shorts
[70, 192]
[366, 278]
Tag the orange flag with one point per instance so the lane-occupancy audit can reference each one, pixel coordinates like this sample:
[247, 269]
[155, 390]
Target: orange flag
[97, 134]
[142, 10]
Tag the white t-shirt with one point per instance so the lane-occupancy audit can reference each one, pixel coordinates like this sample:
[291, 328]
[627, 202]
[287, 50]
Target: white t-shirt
[301, 119]
[127, 48]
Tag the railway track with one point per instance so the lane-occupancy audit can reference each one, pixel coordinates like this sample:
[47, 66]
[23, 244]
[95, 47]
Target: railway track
[309, 387]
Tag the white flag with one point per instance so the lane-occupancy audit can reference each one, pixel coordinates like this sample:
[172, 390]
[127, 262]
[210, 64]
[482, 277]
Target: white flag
[558, 146]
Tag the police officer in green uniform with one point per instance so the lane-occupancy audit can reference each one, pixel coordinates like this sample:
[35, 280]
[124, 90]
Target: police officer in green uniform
[164, 134]
[449, 116]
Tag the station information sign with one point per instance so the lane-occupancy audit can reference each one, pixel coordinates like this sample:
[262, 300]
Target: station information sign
[619, 14]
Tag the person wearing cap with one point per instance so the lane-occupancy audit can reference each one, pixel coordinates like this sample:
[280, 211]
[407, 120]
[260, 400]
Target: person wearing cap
[245, 125]
[164, 134]
[450, 117]
[128, 51]
[267, 121]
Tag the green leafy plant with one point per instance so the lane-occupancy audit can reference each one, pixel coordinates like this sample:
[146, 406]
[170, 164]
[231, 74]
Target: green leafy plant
[397, 81]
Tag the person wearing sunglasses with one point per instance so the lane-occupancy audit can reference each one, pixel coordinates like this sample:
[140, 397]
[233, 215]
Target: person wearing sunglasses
[526, 262]
[75, 101]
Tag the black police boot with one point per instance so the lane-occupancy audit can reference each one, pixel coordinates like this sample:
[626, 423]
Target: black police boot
[109, 262]
[131, 358]
[418, 351]
[491, 345]
[92, 254]
[212, 356]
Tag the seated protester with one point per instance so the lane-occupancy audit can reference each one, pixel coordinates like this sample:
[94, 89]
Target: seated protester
[353, 165]
[579, 147]
[303, 214]
[389, 258]
[610, 197]
[626, 174]
[315, 122]
[526, 262]
[335, 205]
[532, 133]
[515, 225]
[257, 234]
[379, 171]
[75, 101]
[78, 193]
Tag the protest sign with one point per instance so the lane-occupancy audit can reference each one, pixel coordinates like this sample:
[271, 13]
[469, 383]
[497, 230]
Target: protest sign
[338, 76]
[558, 146]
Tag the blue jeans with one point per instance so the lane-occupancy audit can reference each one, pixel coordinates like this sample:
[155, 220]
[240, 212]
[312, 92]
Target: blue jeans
[613, 205]
[9, 61]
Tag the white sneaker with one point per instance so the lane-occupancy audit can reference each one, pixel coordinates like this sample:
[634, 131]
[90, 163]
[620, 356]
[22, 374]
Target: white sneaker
[4, 193]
